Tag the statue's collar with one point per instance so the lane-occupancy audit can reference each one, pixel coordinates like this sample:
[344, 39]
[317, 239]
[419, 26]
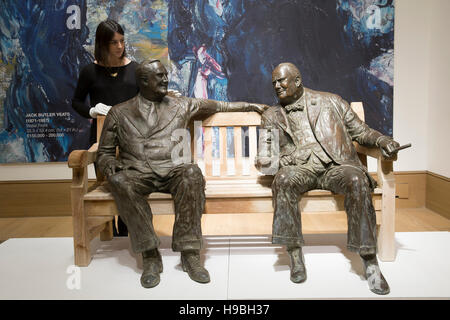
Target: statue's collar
[147, 102]
[298, 105]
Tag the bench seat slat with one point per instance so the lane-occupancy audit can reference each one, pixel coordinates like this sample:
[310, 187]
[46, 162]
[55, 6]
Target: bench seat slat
[230, 190]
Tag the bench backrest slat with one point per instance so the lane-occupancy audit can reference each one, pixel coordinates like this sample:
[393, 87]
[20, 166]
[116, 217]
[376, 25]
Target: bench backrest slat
[232, 119]
[237, 132]
[207, 156]
[359, 109]
[223, 151]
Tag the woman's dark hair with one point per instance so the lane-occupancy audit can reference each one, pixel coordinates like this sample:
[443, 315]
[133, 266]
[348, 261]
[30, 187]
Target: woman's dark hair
[103, 35]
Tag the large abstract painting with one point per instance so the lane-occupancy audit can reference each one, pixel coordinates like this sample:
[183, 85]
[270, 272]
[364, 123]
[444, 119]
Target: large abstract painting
[217, 49]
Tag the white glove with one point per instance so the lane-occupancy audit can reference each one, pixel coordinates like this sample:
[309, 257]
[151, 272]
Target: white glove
[99, 109]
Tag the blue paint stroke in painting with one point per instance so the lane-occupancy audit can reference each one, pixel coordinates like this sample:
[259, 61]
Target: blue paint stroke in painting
[342, 46]
[220, 49]
[42, 58]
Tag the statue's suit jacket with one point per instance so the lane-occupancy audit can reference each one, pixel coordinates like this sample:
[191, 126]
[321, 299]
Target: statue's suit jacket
[334, 124]
[146, 144]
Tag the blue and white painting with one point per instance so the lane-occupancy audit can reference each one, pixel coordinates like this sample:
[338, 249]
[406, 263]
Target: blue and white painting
[216, 49]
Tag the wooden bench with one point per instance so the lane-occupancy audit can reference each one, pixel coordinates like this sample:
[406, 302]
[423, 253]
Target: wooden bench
[233, 185]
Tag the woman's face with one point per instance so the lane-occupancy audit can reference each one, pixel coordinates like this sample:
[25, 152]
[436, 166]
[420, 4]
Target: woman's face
[116, 46]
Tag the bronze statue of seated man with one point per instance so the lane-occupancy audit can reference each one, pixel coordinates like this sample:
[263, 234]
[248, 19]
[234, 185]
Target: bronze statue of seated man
[316, 130]
[142, 128]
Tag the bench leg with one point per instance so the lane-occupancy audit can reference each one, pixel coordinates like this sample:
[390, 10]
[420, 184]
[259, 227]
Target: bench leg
[82, 255]
[107, 232]
[81, 240]
[386, 239]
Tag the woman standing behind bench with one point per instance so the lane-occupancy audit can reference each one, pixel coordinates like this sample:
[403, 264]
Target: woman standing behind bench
[108, 81]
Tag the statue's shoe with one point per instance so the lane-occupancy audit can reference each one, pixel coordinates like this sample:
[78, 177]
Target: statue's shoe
[298, 269]
[150, 279]
[377, 282]
[375, 279]
[190, 261]
[152, 268]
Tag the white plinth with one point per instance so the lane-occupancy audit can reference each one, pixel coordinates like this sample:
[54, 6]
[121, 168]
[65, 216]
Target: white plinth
[247, 267]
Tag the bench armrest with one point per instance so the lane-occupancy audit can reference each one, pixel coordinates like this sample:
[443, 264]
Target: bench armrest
[82, 158]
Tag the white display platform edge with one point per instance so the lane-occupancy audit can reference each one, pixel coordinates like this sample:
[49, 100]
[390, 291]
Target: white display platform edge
[241, 267]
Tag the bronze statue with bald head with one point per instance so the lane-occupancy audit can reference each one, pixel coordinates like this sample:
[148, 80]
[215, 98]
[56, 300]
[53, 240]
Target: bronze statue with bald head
[316, 130]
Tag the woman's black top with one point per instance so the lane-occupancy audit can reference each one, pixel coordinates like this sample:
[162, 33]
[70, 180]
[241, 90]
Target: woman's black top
[97, 82]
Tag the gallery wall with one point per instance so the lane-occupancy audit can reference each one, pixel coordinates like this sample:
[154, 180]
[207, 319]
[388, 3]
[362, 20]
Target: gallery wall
[421, 80]
[411, 61]
[422, 68]
[438, 143]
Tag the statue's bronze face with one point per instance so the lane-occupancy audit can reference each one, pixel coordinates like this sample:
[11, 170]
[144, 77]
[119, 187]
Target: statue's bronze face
[287, 84]
[154, 81]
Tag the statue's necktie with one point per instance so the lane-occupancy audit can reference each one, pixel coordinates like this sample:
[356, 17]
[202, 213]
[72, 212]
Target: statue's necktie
[294, 107]
[152, 117]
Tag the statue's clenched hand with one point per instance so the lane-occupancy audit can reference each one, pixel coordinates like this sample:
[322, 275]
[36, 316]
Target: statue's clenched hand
[112, 167]
[388, 146]
[260, 108]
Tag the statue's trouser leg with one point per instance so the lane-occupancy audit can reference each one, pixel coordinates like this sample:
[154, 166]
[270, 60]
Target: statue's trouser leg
[130, 190]
[187, 187]
[289, 183]
[361, 217]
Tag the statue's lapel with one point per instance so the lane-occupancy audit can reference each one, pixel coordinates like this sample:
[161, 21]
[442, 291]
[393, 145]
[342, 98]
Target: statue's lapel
[167, 112]
[283, 121]
[135, 117]
[313, 110]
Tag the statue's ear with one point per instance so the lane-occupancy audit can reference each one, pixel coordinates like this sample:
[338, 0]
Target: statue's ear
[143, 80]
[298, 81]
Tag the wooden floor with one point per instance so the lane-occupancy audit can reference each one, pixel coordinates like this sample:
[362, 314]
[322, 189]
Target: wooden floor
[407, 220]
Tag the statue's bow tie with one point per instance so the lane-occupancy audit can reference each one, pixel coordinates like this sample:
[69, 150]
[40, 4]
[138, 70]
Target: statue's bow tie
[294, 107]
